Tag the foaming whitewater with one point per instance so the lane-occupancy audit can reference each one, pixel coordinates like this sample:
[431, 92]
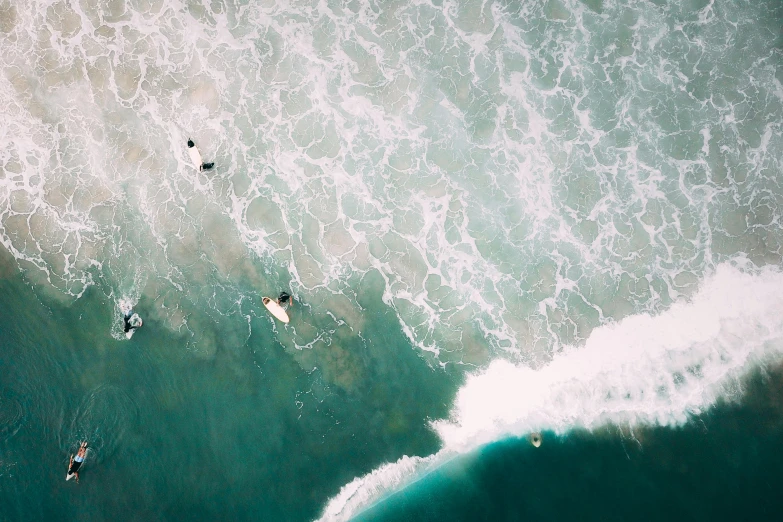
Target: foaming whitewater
[362, 490]
[502, 178]
[516, 177]
[644, 370]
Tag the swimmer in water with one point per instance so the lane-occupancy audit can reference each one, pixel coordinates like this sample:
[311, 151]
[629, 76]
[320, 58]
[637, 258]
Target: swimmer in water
[132, 321]
[285, 301]
[76, 462]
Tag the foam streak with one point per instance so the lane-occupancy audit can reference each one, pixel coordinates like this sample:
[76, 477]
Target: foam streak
[644, 370]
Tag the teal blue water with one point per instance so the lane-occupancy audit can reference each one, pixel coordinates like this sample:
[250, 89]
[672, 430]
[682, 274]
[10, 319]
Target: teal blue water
[722, 466]
[494, 218]
[246, 435]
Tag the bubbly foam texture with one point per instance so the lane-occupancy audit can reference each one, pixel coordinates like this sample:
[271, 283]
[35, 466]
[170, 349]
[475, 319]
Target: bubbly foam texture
[518, 176]
[362, 490]
[518, 173]
[645, 370]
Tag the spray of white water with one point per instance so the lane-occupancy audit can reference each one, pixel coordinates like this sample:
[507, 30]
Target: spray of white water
[517, 174]
[644, 370]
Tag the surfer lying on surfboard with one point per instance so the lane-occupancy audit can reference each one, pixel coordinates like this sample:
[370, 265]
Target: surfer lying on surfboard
[195, 157]
[132, 321]
[76, 462]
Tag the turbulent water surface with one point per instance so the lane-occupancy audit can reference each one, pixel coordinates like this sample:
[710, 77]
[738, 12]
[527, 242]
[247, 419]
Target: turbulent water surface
[494, 217]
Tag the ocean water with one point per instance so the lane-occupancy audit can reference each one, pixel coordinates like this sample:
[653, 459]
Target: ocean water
[495, 218]
[723, 465]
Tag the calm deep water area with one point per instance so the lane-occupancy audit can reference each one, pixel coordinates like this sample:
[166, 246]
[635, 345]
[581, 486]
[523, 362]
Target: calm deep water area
[496, 219]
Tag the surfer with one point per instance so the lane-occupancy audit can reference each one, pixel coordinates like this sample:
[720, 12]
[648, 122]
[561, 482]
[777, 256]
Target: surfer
[279, 306]
[195, 155]
[285, 301]
[132, 321]
[76, 462]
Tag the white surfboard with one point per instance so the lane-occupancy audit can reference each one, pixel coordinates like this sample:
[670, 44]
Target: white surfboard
[535, 439]
[195, 155]
[275, 309]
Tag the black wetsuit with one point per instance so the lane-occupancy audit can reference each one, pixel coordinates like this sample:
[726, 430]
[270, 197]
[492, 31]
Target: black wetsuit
[128, 325]
[74, 467]
[283, 298]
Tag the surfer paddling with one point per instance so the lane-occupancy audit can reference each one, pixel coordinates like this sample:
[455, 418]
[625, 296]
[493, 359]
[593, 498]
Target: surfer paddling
[76, 462]
[132, 321]
[195, 157]
[278, 307]
[285, 301]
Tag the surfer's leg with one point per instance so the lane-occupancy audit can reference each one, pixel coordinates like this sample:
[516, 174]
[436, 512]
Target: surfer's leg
[126, 319]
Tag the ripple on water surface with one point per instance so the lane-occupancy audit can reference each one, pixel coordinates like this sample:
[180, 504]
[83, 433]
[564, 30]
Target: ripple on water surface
[102, 419]
[12, 415]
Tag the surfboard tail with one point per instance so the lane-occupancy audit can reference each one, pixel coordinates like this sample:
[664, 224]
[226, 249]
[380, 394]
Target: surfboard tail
[195, 156]
[276, 310]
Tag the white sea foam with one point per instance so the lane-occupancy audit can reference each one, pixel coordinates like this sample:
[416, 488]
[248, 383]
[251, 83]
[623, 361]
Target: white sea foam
[362, 490]
[513, 187]
[518, 173]
[645, 370]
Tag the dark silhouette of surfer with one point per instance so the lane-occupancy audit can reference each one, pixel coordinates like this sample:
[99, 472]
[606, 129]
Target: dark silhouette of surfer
[285, 301]
[131, 322]
[203, 166]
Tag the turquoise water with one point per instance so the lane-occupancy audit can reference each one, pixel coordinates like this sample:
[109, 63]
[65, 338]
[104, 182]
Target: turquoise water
[722, 466]
[495, 218]
[244, 435]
